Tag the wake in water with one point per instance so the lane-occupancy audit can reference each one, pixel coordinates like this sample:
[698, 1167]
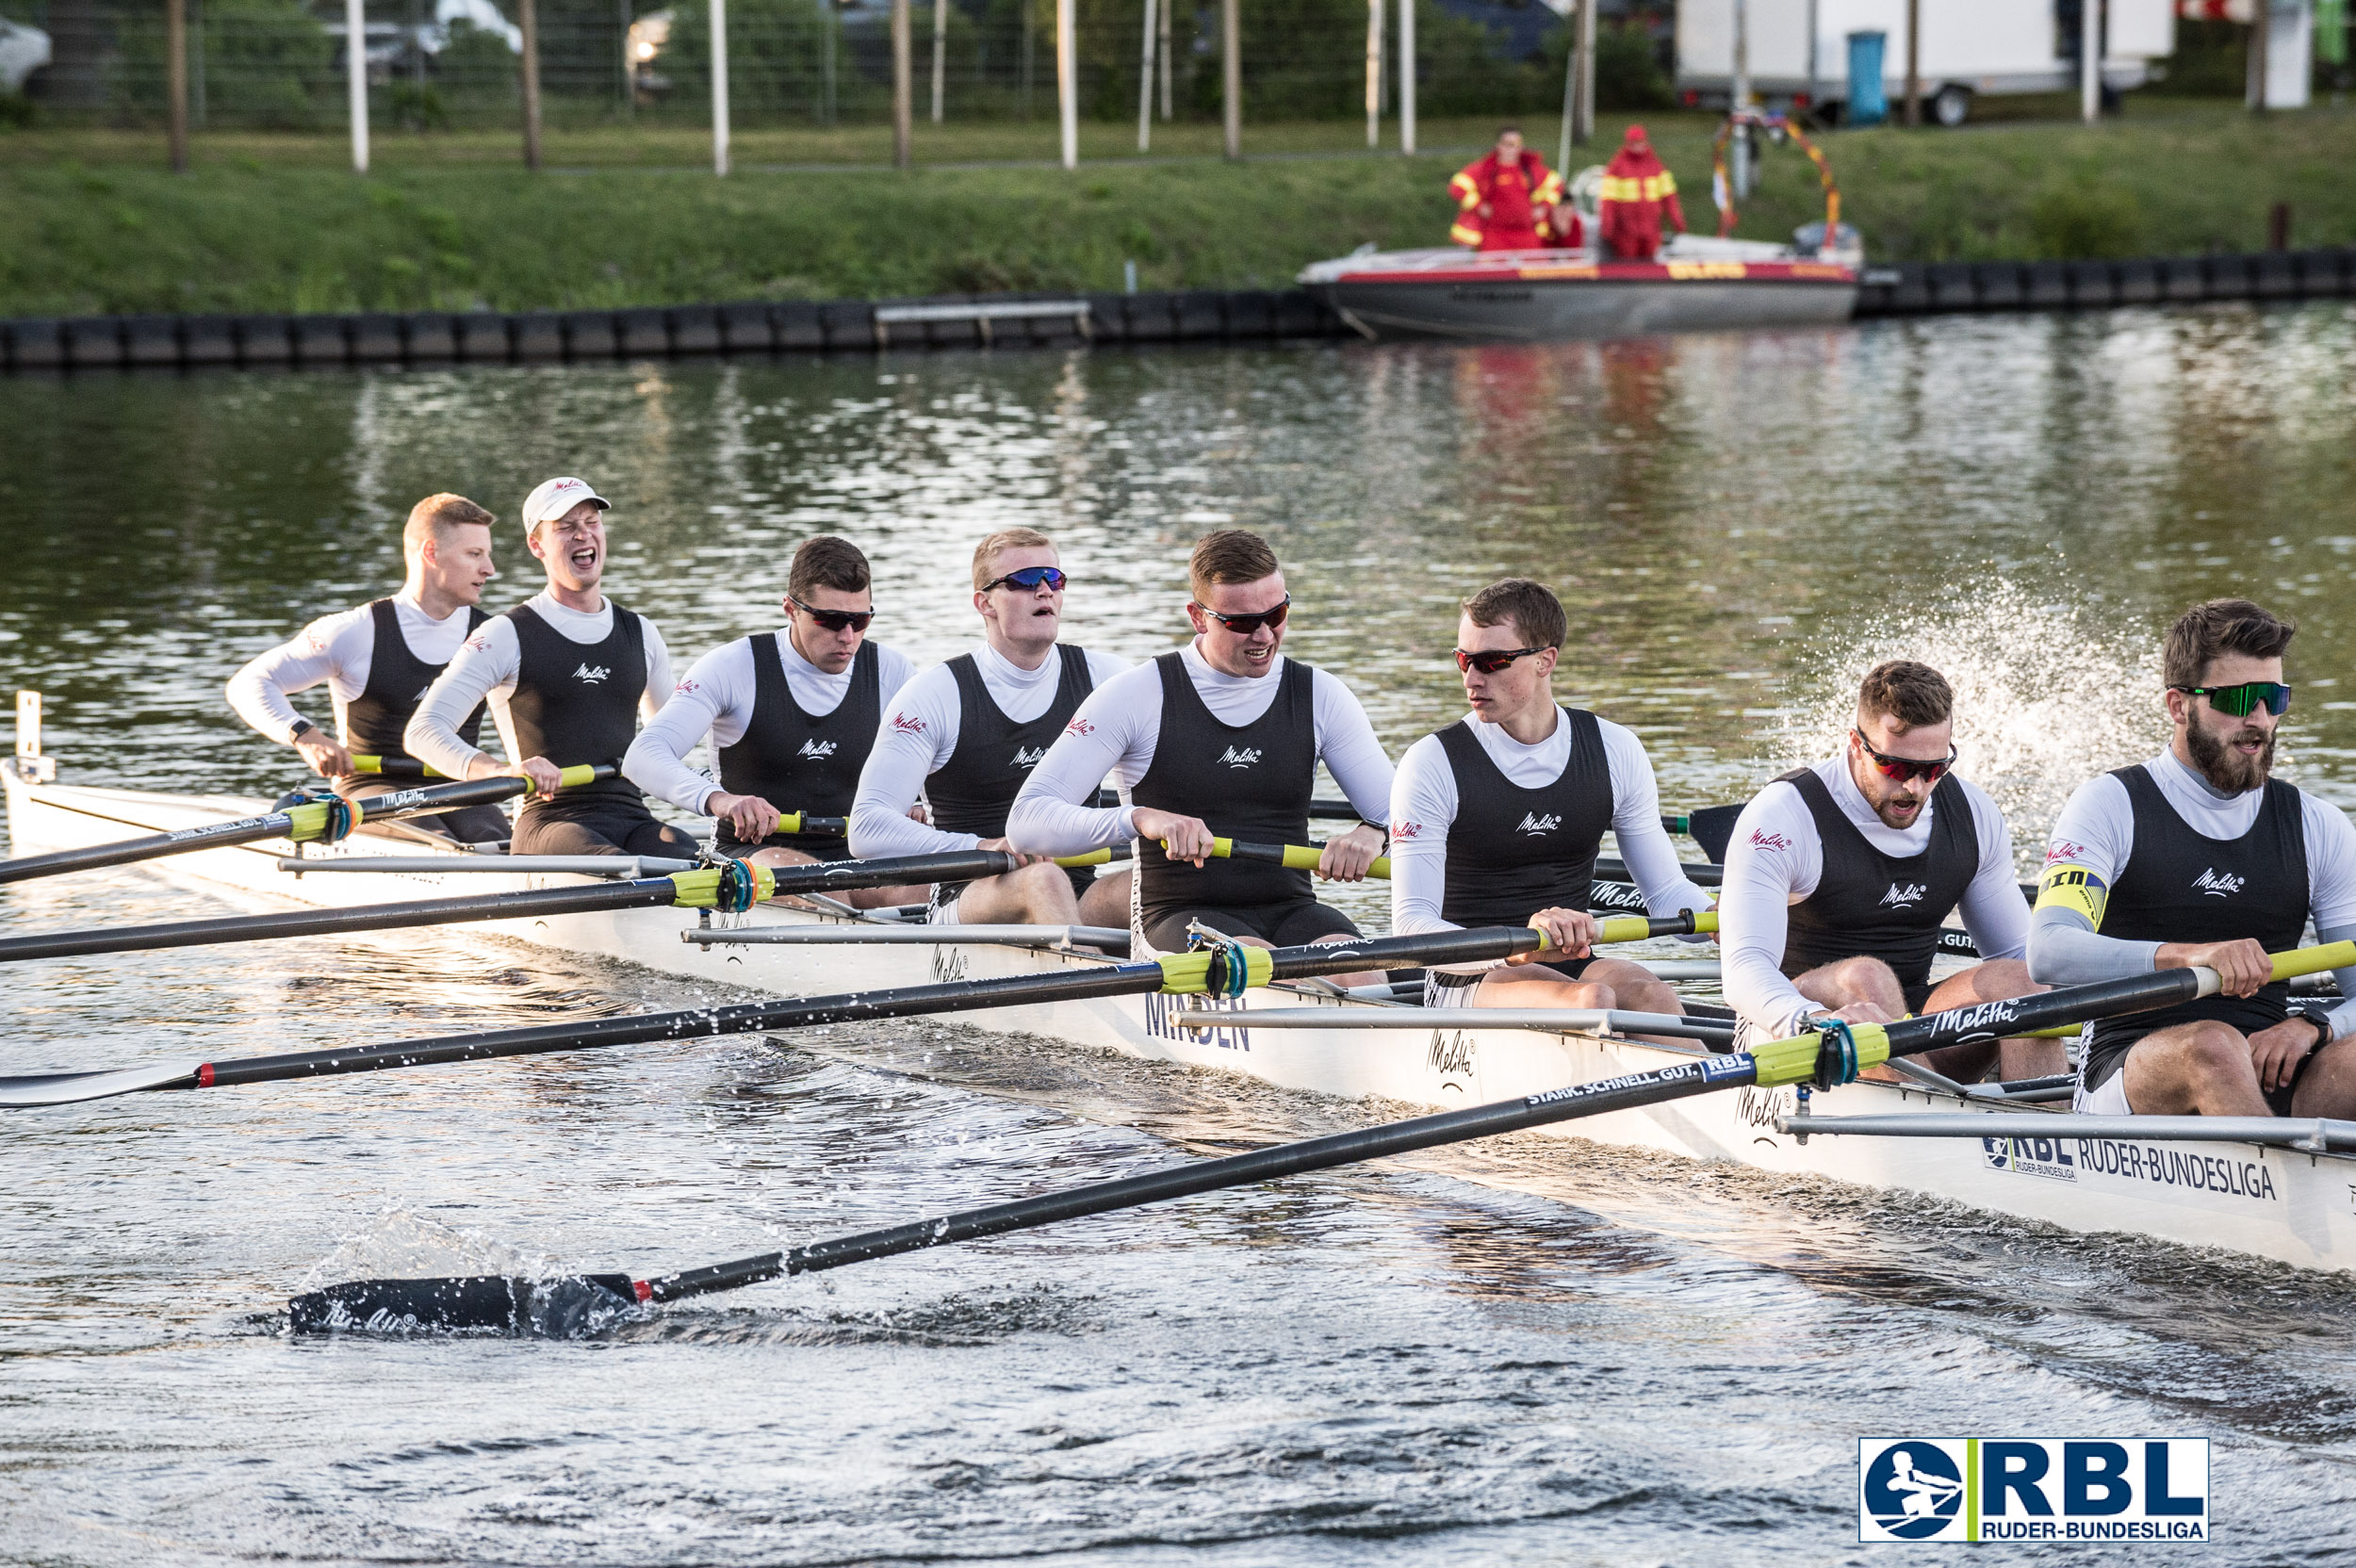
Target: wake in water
[2047, 695]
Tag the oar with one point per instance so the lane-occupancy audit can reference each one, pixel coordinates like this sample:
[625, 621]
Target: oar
[1227, 969]
[566, 1304]
[1291, 857]
[731, 886]
[394, 767]
[329, 817]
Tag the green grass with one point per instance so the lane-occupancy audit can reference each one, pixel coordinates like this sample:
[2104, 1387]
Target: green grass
[632, 216]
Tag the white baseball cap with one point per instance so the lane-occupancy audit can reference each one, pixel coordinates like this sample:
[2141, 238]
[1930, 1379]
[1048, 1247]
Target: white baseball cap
[551, 499]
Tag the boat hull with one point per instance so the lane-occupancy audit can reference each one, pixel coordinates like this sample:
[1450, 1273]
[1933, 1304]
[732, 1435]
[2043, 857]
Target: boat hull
[2295, 1207]
[1531, 303]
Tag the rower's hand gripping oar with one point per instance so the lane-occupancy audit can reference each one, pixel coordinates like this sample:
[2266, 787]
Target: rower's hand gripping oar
[324, 819]
[1227, 969]
[728, 885]
[570, 1303]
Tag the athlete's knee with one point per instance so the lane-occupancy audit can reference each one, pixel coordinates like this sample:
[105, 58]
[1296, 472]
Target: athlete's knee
[1865, 979]
[2000, 978]
[2214, 1048]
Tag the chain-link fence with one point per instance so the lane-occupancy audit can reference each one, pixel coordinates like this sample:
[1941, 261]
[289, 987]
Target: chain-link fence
[438, 64]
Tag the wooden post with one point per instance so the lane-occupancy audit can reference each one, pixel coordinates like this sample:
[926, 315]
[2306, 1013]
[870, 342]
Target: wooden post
[720, 88]
[1374, 74]
[1168, 109]
[1570, 93]
[1067, 81]
[530, 19]
[1407, 78]
[1145, 83]
[2261, 31]
[1231, 77]
[1914, 64]
[903, 82]
[177, 82]
[941, 56]
[356, 80]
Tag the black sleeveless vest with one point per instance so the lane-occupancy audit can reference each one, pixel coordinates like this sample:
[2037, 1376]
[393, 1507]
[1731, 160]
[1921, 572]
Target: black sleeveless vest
[1872, 905]
[971, 792]
[2181, 886]
[373, 721]
[1250, 782]
[797, 762]
[577, 703]
[1513, 851]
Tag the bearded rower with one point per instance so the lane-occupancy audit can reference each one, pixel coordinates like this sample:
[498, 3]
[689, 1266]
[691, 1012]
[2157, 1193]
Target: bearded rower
[1496, 819]
[1839, 877]
[377, 662]
[567, 673]
[964, 736]
[2201, 858]
[791, 715]
[1222, 738]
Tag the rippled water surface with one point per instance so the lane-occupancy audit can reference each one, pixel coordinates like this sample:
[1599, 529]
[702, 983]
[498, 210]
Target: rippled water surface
[1529, 1351]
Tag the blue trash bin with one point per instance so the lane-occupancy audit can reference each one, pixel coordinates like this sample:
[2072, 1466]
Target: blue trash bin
[1869, 105]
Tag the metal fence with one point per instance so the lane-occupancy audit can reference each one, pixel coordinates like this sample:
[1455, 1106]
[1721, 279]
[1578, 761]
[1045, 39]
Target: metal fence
[431, 64]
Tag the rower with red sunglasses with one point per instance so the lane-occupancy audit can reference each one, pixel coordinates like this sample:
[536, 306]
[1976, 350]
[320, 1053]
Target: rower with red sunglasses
[1221, 738]
[792, 714]
[1496, 819]
[964, 735]
[1839, 877]
[2199, 857]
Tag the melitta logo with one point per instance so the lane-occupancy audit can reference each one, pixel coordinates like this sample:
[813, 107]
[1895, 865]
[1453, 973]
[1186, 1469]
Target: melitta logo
[1406, 830]
[1978, 1019]
[904, 724]
[2064, 850]
[1904, 894]
[592, 673]
[1079, 727]
[1241, 758]
[1762, 839]
[817, 748]
[1533, 824]
[2218, 884]
[2033, 1489]
[1028, 757]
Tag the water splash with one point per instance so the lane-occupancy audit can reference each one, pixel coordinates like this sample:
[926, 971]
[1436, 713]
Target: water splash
[2046, 694]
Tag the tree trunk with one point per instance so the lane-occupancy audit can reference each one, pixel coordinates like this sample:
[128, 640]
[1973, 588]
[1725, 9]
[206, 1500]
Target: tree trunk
[529, 21]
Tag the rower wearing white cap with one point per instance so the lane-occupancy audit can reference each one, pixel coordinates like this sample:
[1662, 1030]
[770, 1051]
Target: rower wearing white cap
[377, 662]
[567, 673]
[791, 715]
[965, 735]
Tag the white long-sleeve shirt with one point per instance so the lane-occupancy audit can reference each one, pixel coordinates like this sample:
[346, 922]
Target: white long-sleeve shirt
[1775, 860]
[919, 734]
[1424, 802]
[2096, 833]
[1115, 732]
[338, 649]
[716, 699]
[486, 664]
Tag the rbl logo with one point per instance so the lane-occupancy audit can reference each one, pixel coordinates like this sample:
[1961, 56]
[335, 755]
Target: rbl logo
[2033, 1489]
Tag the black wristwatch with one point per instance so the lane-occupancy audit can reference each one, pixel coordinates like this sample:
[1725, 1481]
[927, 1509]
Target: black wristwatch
[302, 727]
[2325, 1033]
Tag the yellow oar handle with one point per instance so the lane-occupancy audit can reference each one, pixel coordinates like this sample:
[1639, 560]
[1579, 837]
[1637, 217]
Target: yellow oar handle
[2314, 960]
[1291, 857]
[376, 764]
[573, 777]
[700, 888]
[1093, 858]
[802, 822]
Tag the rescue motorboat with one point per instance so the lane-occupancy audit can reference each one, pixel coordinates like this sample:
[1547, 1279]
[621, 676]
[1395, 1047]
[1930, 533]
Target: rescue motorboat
[1697, 284]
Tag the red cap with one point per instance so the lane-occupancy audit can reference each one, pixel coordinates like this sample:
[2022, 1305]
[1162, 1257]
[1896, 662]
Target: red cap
[1635, 135]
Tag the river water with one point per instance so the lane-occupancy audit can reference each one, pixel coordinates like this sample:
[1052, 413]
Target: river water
[1536, 1352]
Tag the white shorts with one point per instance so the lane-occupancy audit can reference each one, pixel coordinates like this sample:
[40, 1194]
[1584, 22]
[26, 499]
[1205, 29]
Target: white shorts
[2109, 1100]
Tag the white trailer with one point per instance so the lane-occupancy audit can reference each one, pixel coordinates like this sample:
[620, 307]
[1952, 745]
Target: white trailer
[1799, 49]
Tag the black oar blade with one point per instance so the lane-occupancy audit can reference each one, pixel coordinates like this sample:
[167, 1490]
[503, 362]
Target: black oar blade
[561, 1308]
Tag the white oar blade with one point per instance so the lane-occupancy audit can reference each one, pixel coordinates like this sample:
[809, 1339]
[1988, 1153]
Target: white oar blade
[67, 1088]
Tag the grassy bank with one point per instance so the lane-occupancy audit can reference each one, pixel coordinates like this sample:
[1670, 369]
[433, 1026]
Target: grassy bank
[275, 223]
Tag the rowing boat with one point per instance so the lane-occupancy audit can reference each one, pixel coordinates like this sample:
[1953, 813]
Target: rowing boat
[2276, 1189]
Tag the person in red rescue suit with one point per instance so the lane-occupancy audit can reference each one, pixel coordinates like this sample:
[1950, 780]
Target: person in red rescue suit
[1505, 200]
[1636, 191]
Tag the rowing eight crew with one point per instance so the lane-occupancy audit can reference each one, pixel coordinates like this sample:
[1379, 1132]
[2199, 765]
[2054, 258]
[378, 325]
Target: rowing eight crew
[1839, 877]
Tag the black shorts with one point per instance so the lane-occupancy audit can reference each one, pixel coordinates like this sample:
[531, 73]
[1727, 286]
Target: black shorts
[468, 824]
[1294, 923]
[617, 832]
[1917, 995]
[1081, 877]
[2100, 1070]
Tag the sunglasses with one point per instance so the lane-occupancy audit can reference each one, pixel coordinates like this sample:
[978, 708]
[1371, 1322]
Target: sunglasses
[1244, 626]
[1029, 578]
[836, 620]
[2245, 700]
[1904, 767]
[1490, 660]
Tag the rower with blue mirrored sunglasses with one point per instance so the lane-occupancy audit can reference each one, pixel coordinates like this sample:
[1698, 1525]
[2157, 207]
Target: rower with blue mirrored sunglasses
[1030, 580]
[2239, 702]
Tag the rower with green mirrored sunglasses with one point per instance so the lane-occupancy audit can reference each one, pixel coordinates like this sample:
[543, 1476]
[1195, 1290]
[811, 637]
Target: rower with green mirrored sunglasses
[2202, 858]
